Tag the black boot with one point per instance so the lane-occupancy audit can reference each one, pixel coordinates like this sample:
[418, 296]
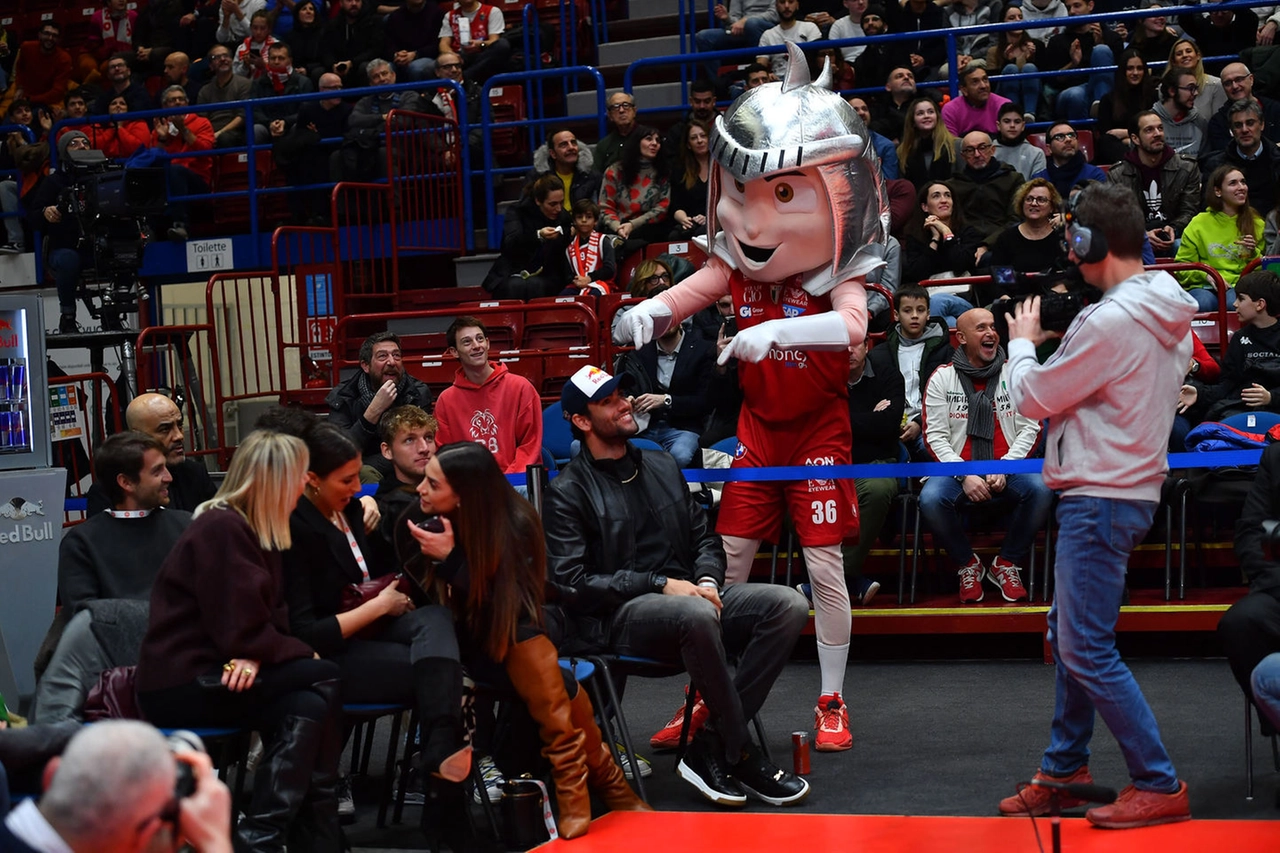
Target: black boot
[280, 786]
[316, 827]
[437, 684]
[446, 820]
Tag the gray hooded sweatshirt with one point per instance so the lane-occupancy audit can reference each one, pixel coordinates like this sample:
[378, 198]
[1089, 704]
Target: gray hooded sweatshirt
[1110, 390]
[1186, 136]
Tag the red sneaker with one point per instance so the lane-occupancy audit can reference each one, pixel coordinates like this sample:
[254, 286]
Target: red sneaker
[668, 737]
[1008, 577]
[1134, 808]
[971, 581]
[1034, 801]
[831, 719]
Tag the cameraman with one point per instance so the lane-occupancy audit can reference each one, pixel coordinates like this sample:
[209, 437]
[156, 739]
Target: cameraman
[61, 232]
[1108, 393]
[113, 790]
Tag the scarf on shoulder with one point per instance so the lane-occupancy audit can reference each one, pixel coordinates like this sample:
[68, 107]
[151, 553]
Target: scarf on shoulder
[280, 78]
[982, 404]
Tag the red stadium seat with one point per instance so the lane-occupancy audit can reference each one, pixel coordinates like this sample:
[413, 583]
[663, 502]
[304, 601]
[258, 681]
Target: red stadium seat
[555, 329]
[509, 143]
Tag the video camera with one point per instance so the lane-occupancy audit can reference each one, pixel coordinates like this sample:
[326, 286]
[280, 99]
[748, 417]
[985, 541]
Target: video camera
[1062, 290]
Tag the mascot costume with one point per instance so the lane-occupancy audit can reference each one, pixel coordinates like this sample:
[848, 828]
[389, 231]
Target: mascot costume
[797, 218]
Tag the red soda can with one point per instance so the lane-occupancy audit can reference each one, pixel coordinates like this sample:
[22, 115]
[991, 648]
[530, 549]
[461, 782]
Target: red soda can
[800, 753]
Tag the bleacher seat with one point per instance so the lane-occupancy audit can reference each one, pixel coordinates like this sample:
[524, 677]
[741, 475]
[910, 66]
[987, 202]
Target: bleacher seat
[437, 373]
[556, 370]
[554, 328]
[509, 143]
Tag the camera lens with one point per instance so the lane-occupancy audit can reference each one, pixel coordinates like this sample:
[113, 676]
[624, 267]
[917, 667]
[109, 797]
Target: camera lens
[182, 741]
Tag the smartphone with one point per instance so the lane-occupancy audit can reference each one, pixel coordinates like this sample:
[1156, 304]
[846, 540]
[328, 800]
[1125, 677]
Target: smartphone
[432, 524]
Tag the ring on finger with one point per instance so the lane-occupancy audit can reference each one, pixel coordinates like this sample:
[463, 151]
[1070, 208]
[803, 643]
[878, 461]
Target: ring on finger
[246, 671]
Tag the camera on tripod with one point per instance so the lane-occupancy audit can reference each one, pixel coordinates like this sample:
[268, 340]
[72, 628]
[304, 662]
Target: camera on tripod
[1062, 290]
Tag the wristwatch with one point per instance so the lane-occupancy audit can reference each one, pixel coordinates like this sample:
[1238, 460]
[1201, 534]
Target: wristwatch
[659, 583]
[666, 400]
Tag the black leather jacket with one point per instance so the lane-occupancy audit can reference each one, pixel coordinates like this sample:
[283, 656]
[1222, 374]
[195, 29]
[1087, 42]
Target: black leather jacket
[591, 539]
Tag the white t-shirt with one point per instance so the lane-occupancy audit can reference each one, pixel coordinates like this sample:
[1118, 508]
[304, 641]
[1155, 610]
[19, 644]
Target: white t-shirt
[803, 31]
[496, 23]
[845, 28]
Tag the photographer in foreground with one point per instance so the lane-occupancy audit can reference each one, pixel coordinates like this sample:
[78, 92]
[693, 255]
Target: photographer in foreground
[62, 233]
[1108, 393]
[114, 789]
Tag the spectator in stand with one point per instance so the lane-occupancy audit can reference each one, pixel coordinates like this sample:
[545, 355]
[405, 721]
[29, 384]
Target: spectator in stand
[250, 59]
[306, 39]
[571, 161]
[122, 136]
[976, 108]
[969, 13]
[73, 106]
[928, 152]
[313, 164]
[1133, 91]
[408, 443]
[1183, 124]
[850, 27]
[273, 120]
[622, 115]
[42, 69]
[1186, 55]
[590, 253]
[1203, 369]
[358, 404]
[653, 275]
[689, 186]
[982, 191]
[24, 151]
[984, 426]
[702, 106]
[234, 19]
[183, 133]
[1226, 237]
[217, 609]
[670, 406]
[1267, 28]
[176, 68]
[371, 111]
[112, 30]
[157, 35]
[939, 245]
[535, 233]
[1237, 82]
[487, 403]
[1032, 245]
[351, 41]
[1166, 183]
[62, 238]
[1012, 146]
[442, 101]
[1013, 53]
[120, 78]
[635, 194]
[1046, 11]
[738, 25]
[474, 31]
[883, 146]
[228, 124]
[788, 29]
[1152, 38]
[1220, 32]
[413, 39]
[1081, 46]
[896, 107]
[1066, 165]
[876, 59]
[918, 345]
[1252, 152]
[922, 55]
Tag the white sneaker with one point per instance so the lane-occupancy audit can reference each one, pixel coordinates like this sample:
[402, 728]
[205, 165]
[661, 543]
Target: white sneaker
[346, 803]
[646, 769]
[492, 777]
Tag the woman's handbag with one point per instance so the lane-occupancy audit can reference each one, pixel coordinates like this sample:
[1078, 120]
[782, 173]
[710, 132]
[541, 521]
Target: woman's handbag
[356, 594]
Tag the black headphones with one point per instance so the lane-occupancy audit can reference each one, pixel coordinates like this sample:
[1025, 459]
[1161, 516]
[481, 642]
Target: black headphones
[1088, 244]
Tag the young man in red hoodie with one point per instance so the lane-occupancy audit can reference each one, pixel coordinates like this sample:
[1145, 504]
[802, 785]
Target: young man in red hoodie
[487, 403]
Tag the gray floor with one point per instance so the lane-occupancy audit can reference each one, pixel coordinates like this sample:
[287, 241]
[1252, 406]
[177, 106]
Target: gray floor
[952, 738]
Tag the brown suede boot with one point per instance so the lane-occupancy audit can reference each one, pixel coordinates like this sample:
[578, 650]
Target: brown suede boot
[603, 773]
[534, 670]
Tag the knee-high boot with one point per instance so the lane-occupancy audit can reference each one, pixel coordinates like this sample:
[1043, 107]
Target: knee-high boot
[437, 684]
[316, 827]
[534, 671]
[603, 773]
[280, 786]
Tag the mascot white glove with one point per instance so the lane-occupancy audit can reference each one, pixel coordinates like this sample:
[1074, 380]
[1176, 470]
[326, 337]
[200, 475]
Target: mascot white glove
[825, 331]
[643, 323]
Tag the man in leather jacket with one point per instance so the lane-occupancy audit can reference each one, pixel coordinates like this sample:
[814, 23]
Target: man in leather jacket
[646, 569]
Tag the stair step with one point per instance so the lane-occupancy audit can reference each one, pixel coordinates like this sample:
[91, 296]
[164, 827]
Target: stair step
[472, 269]
[645, 27]
[618, 52]
[653, 9]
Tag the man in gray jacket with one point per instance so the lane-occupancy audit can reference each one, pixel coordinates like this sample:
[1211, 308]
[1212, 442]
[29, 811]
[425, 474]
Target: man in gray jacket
[1166, 183]
[1107, 393]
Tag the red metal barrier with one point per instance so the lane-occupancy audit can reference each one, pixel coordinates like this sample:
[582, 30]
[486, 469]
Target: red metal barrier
[94, 402]
[180, 362]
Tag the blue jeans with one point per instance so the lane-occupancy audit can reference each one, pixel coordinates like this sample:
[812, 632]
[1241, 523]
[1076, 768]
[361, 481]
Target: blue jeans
[719, 38]
[65, 266]
[1074, 103]
[422, 68]
[1095, 537]
[680, 443]
[1266, 688]
[943, 498]
[948, 306]
[1026, 93]
[1207, 298]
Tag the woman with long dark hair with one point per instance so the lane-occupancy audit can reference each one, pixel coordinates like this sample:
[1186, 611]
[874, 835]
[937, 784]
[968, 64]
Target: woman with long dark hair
[535, 232]
[635, 193]
[937, 245]
[1152, 38]
[1226, 236]
[218, 651]
[491, 556]
[1134, 90]
[1014, 52]
[306, 39]
[689, 188]
[928, 152]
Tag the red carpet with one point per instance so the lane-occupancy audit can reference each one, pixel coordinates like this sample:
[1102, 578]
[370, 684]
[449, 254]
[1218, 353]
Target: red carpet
[780, 832]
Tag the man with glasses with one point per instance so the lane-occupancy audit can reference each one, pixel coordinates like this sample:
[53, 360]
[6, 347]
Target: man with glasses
[1166, 183]
[1237, 82]
[1066, 165]
[982, 191]
[1083, 46]
[183, 133]
[443, 99]
[1252, 152]
[977, 108]
[112, 789]
[226, 85]
[120, 76]
[1183, 124]
[622, 115]
[42, 69]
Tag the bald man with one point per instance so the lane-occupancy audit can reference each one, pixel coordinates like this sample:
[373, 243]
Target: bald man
[158, 416]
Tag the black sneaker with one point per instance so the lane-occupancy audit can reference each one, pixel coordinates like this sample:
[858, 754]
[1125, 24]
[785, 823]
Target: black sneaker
[703, 767]
[766, 781]
[67, 325]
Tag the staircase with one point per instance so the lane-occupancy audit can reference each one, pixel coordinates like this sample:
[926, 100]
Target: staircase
[652, 29]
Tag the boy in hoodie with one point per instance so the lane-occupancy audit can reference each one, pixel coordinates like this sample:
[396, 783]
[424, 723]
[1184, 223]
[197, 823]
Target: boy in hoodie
[1012, 146]
[919, 345]
[1183, 126]
[487, 403]
[1250, 378]
[1106, 393]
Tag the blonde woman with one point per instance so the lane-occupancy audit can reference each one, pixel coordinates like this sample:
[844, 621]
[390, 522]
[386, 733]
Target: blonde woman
[928, 152]
[218, 651]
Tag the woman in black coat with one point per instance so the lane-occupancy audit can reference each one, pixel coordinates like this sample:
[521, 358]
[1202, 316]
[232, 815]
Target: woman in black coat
[937, 245]
[535, 233]
[305, 40]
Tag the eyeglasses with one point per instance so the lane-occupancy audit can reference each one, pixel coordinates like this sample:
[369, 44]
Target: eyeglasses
[970, 150]
[336, 88]
[1235, 81]
[219, 56]
[658, 277]
[1035, 200]
[1190, 87]
[619, 108]
[1059, 137]
[78, 143]
[448, 66]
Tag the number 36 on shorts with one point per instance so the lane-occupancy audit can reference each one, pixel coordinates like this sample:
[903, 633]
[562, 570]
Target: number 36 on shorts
[825, 512]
